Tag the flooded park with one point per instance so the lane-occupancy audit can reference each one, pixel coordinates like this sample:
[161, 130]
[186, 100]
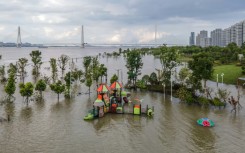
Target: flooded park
[53, 126]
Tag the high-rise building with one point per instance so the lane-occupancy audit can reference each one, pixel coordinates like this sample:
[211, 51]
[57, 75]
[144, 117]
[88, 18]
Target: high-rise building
[239, 33]
[207, 42]
[233, 33]
[192, 39]
[216, 37]
[203, 36]
[219, 37]
[227, 36]
[223, 38]
[243, 33]
[198, 40]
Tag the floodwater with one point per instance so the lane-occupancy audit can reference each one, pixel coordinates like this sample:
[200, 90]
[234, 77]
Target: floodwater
[52, 126]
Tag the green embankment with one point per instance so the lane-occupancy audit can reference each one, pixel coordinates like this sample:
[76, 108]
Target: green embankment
[231, 73]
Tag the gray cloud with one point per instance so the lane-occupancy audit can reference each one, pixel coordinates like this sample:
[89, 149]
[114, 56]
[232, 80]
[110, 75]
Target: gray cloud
[110, 21]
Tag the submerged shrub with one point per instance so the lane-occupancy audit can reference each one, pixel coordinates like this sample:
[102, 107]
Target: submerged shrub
[216, 102]
[203, 101]
[141, 84]
[185, 95]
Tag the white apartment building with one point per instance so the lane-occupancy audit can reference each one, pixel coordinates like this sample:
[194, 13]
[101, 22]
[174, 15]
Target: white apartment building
[216, 38]
[243, 35]
[236, 34]
[207, 42]
[219, 37]
[200, 40]
[227, 36]
[239, 33]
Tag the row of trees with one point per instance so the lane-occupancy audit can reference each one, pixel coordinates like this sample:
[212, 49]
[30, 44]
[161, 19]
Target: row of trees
[93, 71]
[200, 68]
[188, 83]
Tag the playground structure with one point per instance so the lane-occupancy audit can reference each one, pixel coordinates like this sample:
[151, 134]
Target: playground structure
[113, 100]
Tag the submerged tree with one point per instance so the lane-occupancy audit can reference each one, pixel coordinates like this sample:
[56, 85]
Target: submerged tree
[77, 74]
[88, 83]
[40, 87]
[114, 78]
[3, 78]
[134, 64]
[12, 69]
[202, 67]
[58, 88]
[62, 62]
[9, 108]
[22, 63]
[26, 90]
[10, 86]
[169, 60]
[88, 78]
[153, 78]
[68, 80]
[95, 69]
[37, 62]
[184, 76]
[146, 79]
[86, 63]
[102, 72]
[54, 69]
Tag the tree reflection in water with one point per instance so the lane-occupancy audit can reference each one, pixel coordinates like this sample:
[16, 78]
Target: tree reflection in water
[26, 113]
[9, 110]
[40, 104]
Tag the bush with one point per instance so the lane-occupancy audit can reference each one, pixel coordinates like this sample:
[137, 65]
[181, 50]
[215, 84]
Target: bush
[185, 95]
[189, 99]
[67, 94]
[243, 69]
[141, 84]
[203, 101]
[217, 102]
[217, 63]
[239, 64]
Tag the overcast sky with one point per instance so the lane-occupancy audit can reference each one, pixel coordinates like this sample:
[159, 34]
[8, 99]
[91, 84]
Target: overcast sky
[115, 21]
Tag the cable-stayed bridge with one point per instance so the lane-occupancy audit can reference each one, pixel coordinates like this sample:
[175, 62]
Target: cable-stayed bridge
[104, 44]
[81, 44]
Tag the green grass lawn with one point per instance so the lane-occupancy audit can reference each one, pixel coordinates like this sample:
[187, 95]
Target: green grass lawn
[231, 73]
[184, 59]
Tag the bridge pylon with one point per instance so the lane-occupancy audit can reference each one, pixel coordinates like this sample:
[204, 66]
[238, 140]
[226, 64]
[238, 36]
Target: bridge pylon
[82, 37]
[18, 44]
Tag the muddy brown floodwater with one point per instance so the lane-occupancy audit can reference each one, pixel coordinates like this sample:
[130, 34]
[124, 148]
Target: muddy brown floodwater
[52, 126]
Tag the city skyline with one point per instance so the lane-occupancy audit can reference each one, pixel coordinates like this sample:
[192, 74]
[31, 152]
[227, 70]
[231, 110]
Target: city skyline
[107, 21]
[220, 37]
